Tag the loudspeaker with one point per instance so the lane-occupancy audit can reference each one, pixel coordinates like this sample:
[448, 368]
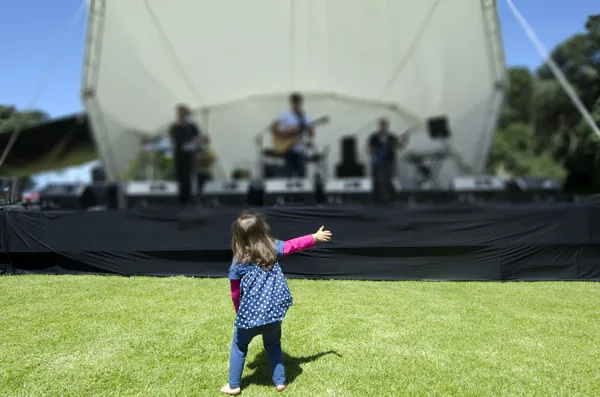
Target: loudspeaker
[348, 191]
[438, 127]
[224, 193]
[146, 193]
[62, 196]
[103, 195]
[349, 167]
[348, 149]
[256, 194]
[98, 175]
[479, 188]
[290, 191]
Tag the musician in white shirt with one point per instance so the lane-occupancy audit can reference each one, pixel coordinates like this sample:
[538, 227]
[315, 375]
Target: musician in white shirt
[295, 122]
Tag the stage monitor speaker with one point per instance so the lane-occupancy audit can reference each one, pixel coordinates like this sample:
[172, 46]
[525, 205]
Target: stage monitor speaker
[293, 191]
[150, 193]
[415, 192]
[226, 193]
[349, 191]
[438, 127]
[63, 196]
[471, 189]
[533, 189]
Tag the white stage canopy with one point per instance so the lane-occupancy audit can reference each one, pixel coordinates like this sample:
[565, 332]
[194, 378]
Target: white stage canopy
[235, 62]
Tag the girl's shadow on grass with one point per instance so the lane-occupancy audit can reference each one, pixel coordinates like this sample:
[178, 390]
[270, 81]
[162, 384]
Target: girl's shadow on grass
[293, 367]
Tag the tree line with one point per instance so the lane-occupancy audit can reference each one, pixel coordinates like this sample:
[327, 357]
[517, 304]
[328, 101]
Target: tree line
[10, 120]
[540, 132]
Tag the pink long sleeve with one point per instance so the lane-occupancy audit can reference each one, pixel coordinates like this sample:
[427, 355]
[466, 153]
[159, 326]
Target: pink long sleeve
[298, 244]
[235, 293]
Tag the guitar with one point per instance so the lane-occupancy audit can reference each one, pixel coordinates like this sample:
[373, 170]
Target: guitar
[283, 144]
[383, 152]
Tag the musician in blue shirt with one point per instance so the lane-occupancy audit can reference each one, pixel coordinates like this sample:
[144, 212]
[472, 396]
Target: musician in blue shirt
[382, 147]
[295, 122]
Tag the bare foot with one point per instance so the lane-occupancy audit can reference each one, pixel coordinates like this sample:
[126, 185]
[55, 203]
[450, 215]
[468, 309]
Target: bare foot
[280, 387]
[232, 392]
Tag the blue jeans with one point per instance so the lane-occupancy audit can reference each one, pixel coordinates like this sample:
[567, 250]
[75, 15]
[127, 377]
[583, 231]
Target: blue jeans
[271, 335]
[295, 164]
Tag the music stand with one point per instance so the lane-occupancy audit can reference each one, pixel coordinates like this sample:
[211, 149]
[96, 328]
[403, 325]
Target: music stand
[429, 166]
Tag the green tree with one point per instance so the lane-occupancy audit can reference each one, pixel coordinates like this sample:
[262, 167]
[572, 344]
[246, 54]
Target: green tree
[516, 150]
[514, 154]
[519, 102]
[12, 120]
[160, 164]
[574, 144]
[540, 131]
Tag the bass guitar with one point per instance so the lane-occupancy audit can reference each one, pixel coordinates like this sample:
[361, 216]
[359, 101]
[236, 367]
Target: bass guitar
[381, 153]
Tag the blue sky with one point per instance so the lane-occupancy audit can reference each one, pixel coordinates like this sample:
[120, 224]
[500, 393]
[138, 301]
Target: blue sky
[38, 38]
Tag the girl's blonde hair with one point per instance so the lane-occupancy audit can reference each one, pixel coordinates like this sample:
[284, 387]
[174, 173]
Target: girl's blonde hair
[251, 241]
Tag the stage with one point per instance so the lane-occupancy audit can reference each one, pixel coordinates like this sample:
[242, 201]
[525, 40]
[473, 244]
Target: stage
[442, 242]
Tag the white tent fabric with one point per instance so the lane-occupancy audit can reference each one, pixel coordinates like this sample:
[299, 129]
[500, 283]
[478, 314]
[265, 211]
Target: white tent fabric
[235, 62]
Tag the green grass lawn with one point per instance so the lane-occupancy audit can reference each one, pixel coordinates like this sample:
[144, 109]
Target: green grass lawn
[112, 336]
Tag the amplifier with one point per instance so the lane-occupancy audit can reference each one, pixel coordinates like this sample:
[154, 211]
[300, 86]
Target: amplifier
[62, 196]
[290, 191]
[146, 193]
[216, 193]
[476, 188]
[534, 189]
[349, 190]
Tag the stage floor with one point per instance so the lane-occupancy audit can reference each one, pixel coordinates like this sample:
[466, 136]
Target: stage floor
[441, 242]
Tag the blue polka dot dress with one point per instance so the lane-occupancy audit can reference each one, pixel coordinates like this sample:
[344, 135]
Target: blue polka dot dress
[264, 294]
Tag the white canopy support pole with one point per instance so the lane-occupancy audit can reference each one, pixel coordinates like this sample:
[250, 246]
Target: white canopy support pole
[554, 68]
[42, 85]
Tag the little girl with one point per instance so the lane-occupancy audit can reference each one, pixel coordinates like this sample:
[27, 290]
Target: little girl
[260, 294]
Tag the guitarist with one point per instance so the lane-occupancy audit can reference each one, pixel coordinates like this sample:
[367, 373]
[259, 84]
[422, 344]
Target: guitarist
[382, 146]
[294, 122]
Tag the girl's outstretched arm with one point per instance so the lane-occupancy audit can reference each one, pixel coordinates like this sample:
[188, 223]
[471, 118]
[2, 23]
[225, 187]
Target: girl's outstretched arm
[298, 244]
[306, 242]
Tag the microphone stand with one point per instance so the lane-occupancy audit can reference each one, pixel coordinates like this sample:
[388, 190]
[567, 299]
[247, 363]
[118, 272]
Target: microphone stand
[259, 142]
